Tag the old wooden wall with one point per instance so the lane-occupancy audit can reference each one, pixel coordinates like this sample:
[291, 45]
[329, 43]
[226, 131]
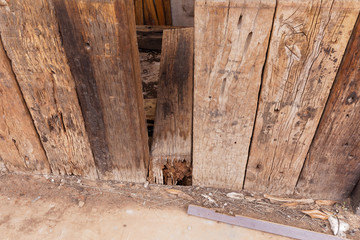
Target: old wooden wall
[72, 70]
[263, 96]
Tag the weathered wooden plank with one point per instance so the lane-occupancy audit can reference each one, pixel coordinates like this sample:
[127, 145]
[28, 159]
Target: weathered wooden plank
[171, 147]
[332, 166]
[29, 32]
[150, 17]
[231, 38]
[167, 9]
[20, 146]
[307, 43]
[160, 12]
[139, 12]
[100, 41]
[182, 12]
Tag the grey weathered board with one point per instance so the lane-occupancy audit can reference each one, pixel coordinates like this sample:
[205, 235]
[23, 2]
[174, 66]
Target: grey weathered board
[171, 147]
[231, 38]
[31, 38]
[307, 44]
[182, 12]
[332, 166]
[20, 146]
[99, 38]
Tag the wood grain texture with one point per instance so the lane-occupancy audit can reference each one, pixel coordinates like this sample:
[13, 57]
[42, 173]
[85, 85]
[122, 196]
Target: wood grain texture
[307, 43]
[173, 120]
[20, 146]
[332, 166]
[99, 38]
[150, 16]
[139, 12]
[231, 38]
[167, 10]
[29, 32]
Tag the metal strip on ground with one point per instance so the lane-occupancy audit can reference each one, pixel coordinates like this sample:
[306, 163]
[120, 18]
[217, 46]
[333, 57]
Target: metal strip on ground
[260, 225]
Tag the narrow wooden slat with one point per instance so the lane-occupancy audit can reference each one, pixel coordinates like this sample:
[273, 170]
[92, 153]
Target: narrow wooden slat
[160, 11]
[307, 43]
[20, 146]
[182, 12]
[332, 167]
[231, 38]
[150, 17]
[171, 146]
[139, 12]
[100, 41]
[167, 9]
[31, 39]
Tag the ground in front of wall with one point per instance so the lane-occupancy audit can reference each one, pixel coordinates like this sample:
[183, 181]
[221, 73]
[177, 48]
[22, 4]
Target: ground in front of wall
[46, 207]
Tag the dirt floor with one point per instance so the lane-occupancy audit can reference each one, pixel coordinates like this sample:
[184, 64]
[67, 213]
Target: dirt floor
[48, 207]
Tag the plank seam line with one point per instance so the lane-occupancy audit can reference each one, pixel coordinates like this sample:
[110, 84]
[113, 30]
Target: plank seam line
[259, 92]
[347, 49]
[25, 104]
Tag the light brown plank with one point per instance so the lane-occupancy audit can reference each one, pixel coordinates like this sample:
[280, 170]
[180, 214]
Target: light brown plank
[332, 166]
[171, 147]
[150, 17]
[139, 12]
[31, 39]
[100, 41]
[182, 12]
[307, 44]
[231, 38]
[160, 11]
[20, 146]
[167, 9]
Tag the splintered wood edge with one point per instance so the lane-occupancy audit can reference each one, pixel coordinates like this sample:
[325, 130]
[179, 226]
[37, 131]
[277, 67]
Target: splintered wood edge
[259, 225]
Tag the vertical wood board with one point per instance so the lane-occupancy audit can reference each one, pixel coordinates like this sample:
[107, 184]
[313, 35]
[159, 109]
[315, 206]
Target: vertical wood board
[29, 32]
[182, 12]
[307, 44]
[332, 166]
[231, 38]
[100, 42]
[20, 146]
[173, 121]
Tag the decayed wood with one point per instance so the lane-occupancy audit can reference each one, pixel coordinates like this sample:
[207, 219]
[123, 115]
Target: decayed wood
[231, 38]
[29, 32]
[182, 12]
[171, 146]
[307, 43]
[20, 146]
[100, 41]
[332, 167]
[150, 37]
[139, 12]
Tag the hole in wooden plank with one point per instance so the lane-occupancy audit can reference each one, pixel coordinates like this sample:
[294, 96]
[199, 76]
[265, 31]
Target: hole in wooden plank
[247, 42]
[239, 22]
[177, 173]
